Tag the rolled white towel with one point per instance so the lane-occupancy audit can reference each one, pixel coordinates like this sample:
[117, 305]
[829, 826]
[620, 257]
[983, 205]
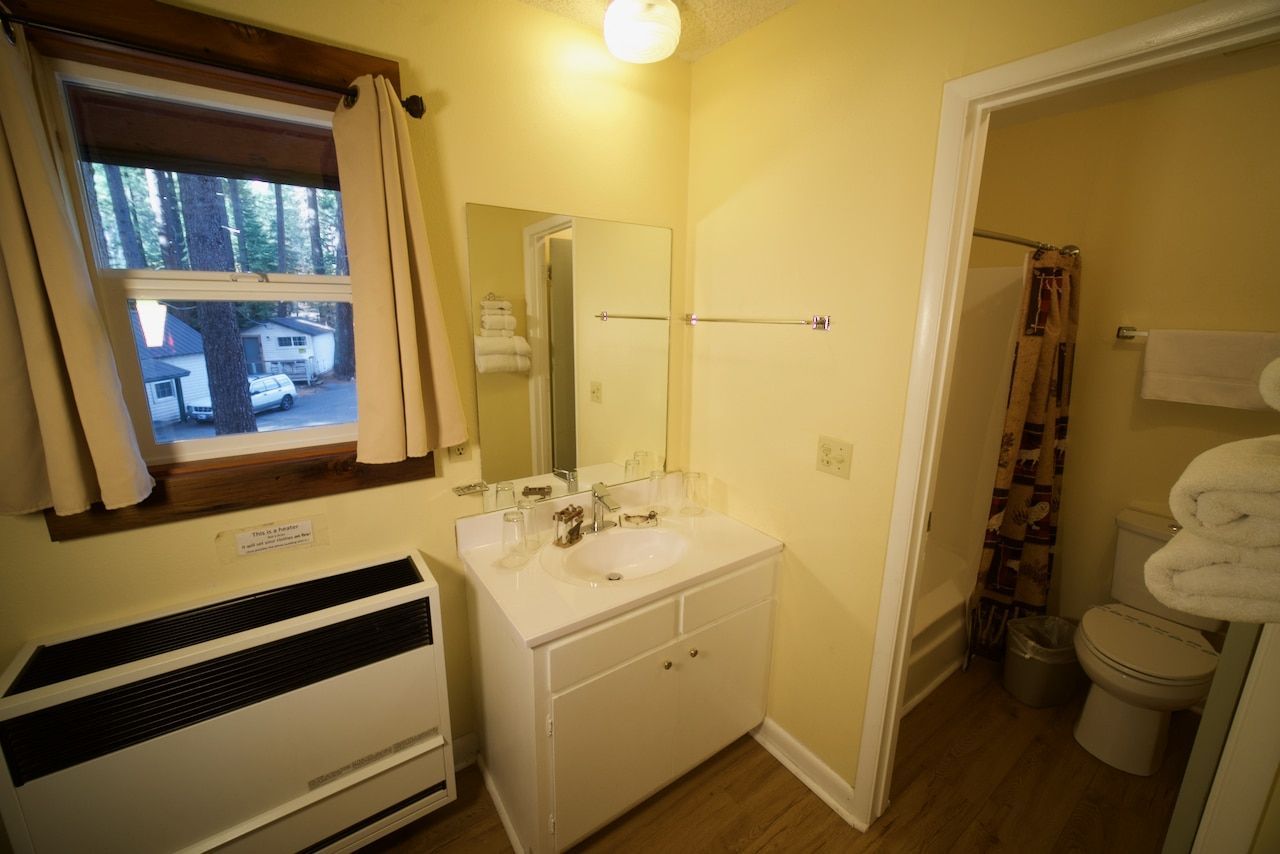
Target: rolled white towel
[514, 345]
[497, 322]
[1269, 384]
[1231, 493]
[502, 364]
[496, 333]
[1216, 580]
[502, 305]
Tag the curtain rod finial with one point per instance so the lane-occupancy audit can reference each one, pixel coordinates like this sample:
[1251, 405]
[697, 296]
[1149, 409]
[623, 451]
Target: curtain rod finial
[415, 106]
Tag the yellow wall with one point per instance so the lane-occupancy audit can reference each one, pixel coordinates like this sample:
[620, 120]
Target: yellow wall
[811, 159]
[525, 109]
[495, 254]
[623, 269]
[1172, 197]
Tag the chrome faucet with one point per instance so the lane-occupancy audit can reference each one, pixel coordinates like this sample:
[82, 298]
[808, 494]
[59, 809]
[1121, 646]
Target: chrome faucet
[570, 478]
[601, 503]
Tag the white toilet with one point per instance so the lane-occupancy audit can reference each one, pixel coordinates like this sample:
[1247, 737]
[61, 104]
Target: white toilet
[1145, 660]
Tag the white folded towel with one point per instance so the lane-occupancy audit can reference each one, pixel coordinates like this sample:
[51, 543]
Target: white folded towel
[1231, 493]
[502, 364]
[496, 333]
[513, 346]
[502, 321]
[1269, 384]
[1216, 580]
[1207, 367]
[501, 305]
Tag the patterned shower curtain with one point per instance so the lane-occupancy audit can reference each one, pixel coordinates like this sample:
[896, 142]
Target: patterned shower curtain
[1017, 552]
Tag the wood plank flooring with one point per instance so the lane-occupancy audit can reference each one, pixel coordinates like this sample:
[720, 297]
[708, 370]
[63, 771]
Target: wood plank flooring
[976, 771]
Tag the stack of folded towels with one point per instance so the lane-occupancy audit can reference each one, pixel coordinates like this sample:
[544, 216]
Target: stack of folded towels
[496, 319]
[1225, 562]
[498, 348]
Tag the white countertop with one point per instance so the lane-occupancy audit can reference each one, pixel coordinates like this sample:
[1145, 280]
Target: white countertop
[542, 608]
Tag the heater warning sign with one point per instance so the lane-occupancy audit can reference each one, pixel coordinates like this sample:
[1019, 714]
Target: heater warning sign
[283, 536]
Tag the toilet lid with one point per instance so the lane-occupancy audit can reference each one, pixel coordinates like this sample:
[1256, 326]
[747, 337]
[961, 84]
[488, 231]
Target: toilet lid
[1149, 644]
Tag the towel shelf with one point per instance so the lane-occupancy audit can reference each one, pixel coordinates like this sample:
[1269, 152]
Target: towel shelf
[1129, 333]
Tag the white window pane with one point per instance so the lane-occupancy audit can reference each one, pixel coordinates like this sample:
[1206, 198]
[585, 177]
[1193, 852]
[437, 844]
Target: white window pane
[211, 352]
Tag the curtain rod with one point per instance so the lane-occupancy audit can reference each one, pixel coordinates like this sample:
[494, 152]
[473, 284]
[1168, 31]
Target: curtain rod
[413, 105]
[1069, 249]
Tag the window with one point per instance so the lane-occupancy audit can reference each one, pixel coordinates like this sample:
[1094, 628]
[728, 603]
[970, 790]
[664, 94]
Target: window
[163, 390]
[212, 217]
[273, 134]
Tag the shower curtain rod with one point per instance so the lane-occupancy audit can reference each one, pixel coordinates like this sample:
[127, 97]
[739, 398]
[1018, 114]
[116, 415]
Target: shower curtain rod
[1069, 249]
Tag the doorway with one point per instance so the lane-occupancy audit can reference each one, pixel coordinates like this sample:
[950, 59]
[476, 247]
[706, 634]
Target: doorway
[970, 104]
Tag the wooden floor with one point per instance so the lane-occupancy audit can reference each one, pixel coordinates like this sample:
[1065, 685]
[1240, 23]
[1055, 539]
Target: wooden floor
[976, 771]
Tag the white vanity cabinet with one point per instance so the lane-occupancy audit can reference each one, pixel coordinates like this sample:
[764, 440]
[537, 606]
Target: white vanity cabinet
[617, 710]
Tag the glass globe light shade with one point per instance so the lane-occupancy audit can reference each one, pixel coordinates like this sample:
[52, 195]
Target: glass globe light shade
[642, 30]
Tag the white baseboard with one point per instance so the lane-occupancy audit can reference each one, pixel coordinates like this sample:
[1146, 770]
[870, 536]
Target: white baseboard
[465, 750]
[503, 816]
[810, 770]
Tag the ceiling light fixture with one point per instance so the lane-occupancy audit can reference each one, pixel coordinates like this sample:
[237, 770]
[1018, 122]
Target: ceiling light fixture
[642, 30]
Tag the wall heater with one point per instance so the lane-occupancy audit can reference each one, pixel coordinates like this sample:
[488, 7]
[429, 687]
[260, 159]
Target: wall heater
[305, 717]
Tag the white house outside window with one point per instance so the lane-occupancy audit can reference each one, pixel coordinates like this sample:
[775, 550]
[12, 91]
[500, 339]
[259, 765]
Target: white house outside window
[226, 210]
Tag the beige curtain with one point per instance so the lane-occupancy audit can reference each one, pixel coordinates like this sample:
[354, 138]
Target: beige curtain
[1017, 553]
[65, 435]
[406, 388]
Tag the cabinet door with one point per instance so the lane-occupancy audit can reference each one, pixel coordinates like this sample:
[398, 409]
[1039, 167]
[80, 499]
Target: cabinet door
[611, 743]
[722, 688]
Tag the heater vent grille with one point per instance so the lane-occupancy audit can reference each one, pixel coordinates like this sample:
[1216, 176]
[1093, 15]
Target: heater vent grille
[59, 662]
[58, 737]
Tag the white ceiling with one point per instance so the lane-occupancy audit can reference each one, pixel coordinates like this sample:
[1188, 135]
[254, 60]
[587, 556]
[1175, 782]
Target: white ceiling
[704, 24]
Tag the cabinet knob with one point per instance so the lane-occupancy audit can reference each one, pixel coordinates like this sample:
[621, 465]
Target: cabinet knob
[693, 653]
[666, 665]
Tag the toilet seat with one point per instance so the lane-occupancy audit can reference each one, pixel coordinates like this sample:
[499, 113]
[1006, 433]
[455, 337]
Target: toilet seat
[1148, 647]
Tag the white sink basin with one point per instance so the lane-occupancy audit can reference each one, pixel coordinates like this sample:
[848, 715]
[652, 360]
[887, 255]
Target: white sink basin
[616, 556]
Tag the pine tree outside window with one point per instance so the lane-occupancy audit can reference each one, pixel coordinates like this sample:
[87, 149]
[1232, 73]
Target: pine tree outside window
[226, 210]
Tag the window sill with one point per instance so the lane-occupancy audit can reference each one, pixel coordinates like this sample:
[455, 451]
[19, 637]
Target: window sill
[208, 487]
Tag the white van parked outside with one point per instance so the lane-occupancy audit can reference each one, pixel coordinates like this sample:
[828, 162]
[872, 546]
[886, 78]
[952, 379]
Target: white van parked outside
[265, 392]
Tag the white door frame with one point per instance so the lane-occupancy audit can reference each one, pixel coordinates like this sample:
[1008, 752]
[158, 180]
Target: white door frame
[539, 331]
[967, 104]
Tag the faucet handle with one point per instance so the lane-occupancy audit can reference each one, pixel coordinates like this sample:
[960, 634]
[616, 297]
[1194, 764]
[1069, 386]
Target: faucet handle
[569, 476]
[599, 489]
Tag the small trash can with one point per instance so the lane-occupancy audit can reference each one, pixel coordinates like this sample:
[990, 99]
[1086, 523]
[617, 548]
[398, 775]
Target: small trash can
[1040, 666]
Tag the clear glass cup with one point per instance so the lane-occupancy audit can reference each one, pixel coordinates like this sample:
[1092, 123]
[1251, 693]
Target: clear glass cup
[657, 492]
[643, 465]
[634, 470]
[533, 537]
[515, 540]
[695, 494]
[504, 495]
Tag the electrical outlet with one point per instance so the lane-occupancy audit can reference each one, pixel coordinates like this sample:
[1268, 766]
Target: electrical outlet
[597, 391]
[458, 452]
[834, 456]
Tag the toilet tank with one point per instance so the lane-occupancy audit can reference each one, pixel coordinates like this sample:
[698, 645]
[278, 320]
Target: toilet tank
[1138, 536]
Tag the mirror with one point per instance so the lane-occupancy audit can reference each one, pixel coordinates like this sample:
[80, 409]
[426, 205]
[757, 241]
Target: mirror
[557, 387]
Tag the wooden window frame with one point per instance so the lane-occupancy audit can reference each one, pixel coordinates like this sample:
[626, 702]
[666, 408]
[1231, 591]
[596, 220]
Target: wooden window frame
[195, 489]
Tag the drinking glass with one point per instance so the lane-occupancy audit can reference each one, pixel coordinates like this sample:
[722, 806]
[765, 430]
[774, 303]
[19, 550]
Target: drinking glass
[633, 470]
[515, 541]
[504, 495]
[657, 491]
[695, 494]
[533, 537]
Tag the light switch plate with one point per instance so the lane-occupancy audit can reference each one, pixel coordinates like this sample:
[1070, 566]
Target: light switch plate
[834, 456]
